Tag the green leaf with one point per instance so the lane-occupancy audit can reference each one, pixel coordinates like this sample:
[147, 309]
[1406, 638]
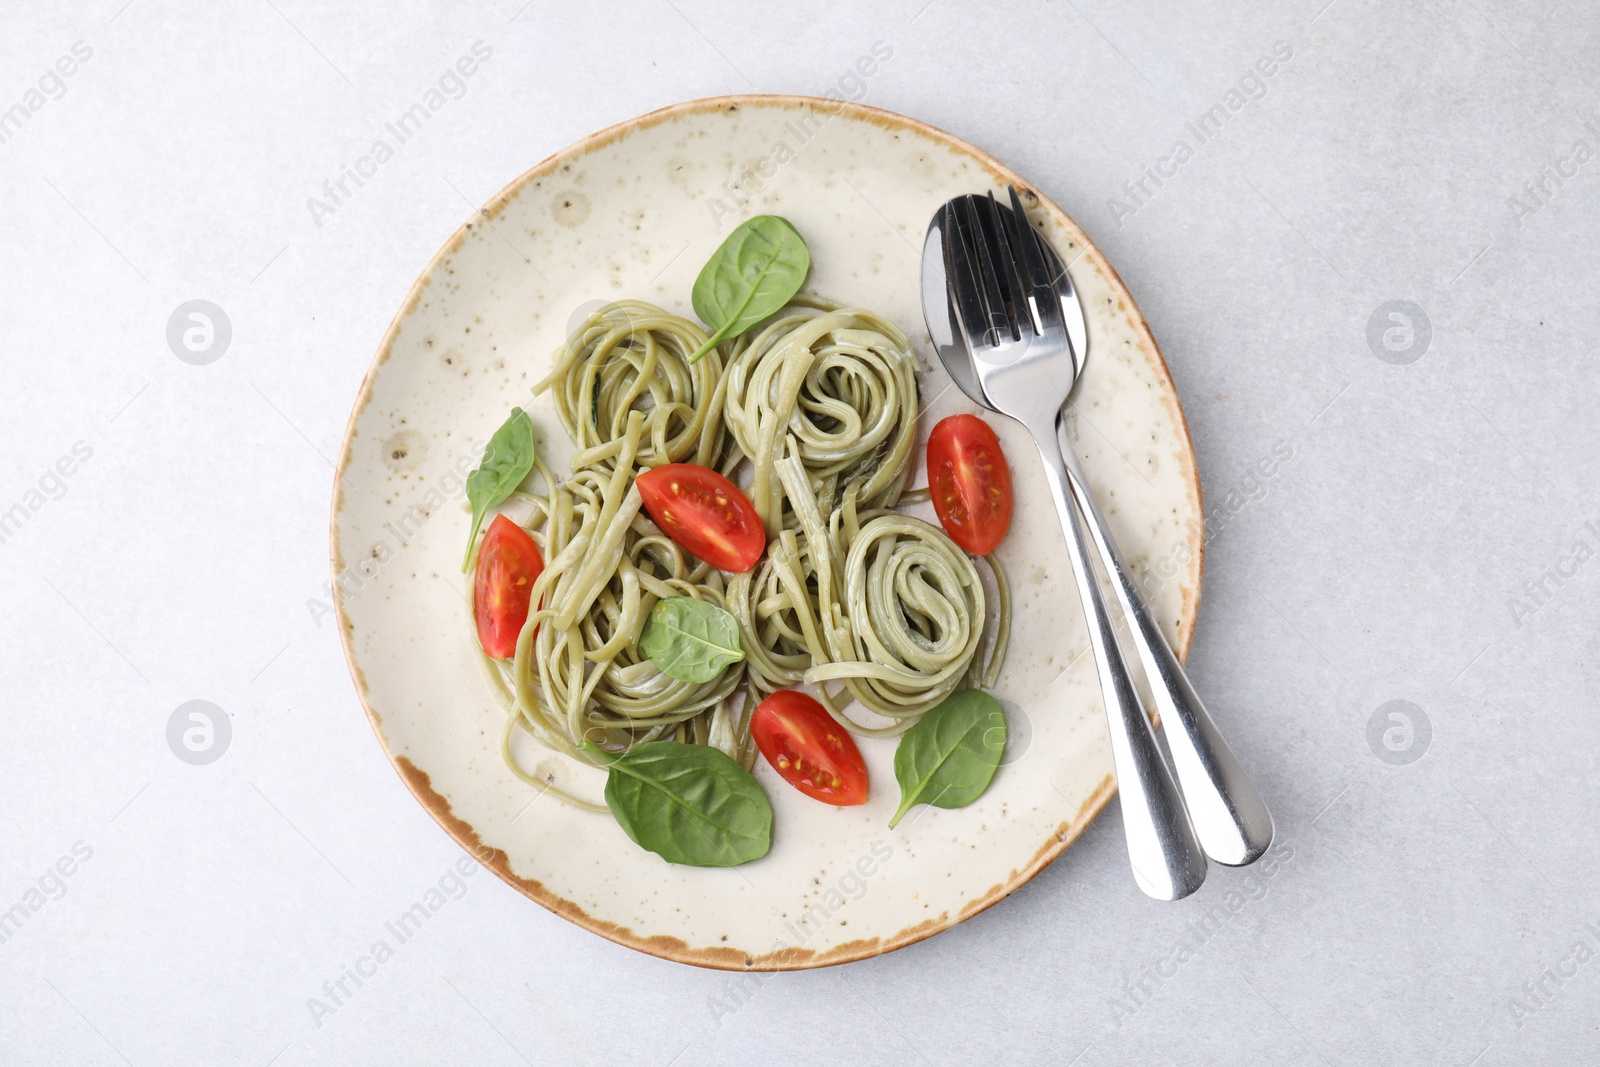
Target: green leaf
[753, 274]
[692, 640]
[506, 461]
[688, 804]
[949, 758]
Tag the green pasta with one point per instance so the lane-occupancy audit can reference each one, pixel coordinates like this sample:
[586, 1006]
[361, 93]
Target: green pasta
[879, 601]
[843, 384]
[632, 356]
[815, 411]
[629, 399]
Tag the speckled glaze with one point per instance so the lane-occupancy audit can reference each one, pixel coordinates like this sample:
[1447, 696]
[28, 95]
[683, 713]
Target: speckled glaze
[634, 211]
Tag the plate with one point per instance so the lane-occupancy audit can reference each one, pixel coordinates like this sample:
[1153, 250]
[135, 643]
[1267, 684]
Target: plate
[634, 211]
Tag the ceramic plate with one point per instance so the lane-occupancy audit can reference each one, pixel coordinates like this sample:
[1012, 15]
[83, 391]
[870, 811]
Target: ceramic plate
[634, 211]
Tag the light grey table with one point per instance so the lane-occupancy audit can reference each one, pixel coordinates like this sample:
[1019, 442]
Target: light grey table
[1427, 533]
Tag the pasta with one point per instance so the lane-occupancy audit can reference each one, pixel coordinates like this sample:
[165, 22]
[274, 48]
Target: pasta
[877, 600]
[816, 411]
[577, 675]
[632, 356]
[837, 384]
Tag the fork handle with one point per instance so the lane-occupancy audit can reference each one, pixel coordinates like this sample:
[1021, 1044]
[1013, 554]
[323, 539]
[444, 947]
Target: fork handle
[1167, 860]
[1229, 815]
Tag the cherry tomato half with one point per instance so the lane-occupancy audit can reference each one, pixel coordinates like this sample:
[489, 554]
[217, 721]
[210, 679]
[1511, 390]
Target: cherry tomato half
[809, 749]
[970, 483]
[508, 565]
[705, 513]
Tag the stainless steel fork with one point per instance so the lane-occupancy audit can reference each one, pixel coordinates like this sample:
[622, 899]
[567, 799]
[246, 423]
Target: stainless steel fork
[1229, 816]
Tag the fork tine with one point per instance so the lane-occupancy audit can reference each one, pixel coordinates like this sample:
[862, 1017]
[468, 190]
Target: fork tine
[1039, 274]
[961, 280]
[1045, 301]
[1002, 325]
[1022, 312]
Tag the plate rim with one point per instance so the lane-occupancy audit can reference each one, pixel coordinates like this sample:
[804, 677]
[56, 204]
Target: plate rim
[464, 834]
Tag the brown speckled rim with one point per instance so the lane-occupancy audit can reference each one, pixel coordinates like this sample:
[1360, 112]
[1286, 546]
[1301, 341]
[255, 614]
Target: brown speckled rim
[673, 948]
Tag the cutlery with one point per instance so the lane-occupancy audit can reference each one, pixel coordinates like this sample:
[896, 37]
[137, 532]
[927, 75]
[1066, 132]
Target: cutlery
[1014, 356]
[1229, 816]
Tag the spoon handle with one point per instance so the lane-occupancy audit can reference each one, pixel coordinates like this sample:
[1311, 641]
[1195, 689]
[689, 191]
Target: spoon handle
[1229, 815]
[1167, 861]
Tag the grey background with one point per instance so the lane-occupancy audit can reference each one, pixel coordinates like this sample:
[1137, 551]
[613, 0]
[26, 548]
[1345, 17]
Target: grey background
[1397, 556]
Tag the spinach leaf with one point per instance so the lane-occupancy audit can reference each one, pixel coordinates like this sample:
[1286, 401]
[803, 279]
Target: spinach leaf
[753, 274]
[692, 640]
[688, 804]
[506, 461]
[949, 758]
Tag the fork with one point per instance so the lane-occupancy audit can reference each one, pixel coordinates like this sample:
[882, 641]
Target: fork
[1010, 316]
[1229, 816]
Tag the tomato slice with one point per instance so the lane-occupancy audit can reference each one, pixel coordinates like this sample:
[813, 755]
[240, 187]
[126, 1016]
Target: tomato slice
[970, 483]
[809, 749]
[508, 564]
[705, 513]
